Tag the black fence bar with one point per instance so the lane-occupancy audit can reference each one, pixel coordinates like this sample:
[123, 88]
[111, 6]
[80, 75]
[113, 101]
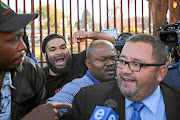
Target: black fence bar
[55, 15]
[70, 12]
[116, 13]
[92, 15]
[78, 24]
[135, 17]
[85, 21]
[107, 14]
[149, 16]
[121, 9]
[63, 17]
[142, 16]
[171, 9]
[24, 6]
[129, 24]
[177, 10]
[40, 26]
[32, 30]
[16, 6]
[48, 24]
[100, 24]
[162, 11]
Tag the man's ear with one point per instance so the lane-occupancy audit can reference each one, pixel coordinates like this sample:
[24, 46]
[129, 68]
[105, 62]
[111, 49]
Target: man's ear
[88, 63]
[162, 73]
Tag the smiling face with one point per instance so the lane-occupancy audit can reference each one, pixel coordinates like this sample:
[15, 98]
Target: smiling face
[12, 50]
[57, 54]
[137, 86]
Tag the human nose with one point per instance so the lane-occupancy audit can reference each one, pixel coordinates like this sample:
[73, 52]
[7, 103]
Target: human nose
[110, 61]
[126, 68]
[59, 52]
[22, 45]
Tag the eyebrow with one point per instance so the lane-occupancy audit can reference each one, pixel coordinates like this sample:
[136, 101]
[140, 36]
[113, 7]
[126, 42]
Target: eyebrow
[55, 47]
[108, 56]
[133, 59]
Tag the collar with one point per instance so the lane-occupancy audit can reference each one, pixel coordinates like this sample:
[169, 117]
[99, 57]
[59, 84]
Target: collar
[151, 102]
[7, 81]
[91, 77]
[52, 73]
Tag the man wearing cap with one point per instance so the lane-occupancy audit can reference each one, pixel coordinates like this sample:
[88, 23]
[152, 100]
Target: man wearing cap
[22, 82]
[63, 67]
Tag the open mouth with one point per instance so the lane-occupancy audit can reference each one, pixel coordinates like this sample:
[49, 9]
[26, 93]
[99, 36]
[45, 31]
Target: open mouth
[127, 80]
[60, 61]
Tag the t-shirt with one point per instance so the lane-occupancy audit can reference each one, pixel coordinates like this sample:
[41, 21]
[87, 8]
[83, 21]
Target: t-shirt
[55, 83]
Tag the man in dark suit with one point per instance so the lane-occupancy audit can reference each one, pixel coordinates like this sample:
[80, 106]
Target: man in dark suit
[140, 70]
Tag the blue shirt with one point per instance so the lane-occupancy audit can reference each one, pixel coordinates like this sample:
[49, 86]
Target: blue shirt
[154, 108]
[30, 55]
[5, 108]
[69, 90]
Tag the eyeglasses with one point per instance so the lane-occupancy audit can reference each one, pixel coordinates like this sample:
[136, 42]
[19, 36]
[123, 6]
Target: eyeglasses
[133, 66]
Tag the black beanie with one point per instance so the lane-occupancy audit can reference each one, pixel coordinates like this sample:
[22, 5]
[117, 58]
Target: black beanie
[49, 38]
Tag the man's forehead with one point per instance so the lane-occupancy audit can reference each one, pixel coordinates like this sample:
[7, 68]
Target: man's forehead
[56, 41]
[137, 50]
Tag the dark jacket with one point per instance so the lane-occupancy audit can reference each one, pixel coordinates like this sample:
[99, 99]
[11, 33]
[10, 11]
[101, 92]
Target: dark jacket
[30, 89]
[86, 100]
[173, 76]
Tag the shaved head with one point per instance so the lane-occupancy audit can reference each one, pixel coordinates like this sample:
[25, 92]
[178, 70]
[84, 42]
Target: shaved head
[97, 44]
[100, 60]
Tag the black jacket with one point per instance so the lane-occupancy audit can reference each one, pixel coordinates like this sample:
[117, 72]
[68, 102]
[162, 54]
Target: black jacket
[30, 89]
[86, 100]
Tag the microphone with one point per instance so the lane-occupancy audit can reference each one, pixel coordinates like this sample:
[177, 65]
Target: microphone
[105, 112]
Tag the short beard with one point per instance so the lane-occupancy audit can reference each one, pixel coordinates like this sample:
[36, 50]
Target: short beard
[60, 71]
[19, 68]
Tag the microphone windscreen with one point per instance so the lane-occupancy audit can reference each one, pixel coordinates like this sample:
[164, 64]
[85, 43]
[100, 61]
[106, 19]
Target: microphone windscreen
[111, 103]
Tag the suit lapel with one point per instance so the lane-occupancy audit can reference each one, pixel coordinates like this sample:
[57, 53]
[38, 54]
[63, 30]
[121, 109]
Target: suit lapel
[172, 103]
[119, 98]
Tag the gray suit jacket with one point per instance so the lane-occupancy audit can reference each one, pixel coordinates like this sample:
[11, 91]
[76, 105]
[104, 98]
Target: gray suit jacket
[87, 99]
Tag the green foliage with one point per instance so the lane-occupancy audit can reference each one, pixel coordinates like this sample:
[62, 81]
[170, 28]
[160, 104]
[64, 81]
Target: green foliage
[52, 18]
[132, 30]
[82, 21]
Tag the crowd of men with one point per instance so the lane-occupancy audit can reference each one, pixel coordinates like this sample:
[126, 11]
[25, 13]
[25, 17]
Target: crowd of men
[71, 86]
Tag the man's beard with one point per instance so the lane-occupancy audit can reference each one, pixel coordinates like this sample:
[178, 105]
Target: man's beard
[59, 71]
[18, 68]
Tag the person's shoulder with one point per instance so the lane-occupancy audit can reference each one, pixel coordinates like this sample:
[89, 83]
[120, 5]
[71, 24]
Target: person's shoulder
[29, 65]
[80, 82]
[45, 69]
[169, 89]
[29, 62]
[107, 86]
[83, 53]
[83, 79]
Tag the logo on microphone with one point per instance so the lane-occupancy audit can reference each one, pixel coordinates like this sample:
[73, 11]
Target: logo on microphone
[104, 113]
[99, 114]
